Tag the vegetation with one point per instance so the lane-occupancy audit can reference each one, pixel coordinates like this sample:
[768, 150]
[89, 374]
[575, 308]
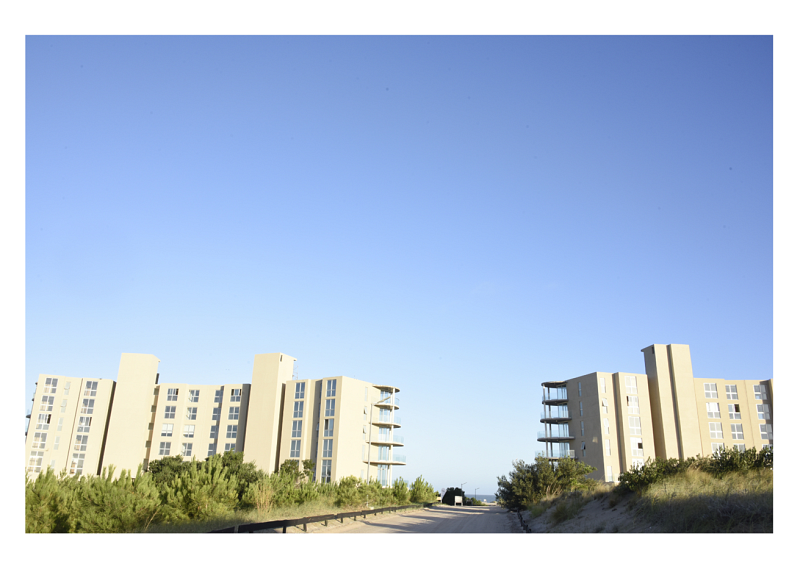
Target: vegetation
[177, 495]
[528, 484]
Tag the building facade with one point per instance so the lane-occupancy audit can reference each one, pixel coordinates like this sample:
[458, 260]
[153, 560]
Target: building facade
[345, 426]
[615, 421]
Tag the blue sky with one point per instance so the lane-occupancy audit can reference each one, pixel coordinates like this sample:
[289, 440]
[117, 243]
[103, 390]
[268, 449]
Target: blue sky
[462, 217]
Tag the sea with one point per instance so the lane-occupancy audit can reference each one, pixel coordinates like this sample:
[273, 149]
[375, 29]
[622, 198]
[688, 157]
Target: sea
[482, 497]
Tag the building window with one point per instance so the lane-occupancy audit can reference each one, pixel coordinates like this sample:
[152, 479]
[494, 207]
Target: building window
[35, 461]
[633, 404]
[191, 414]
[605, 405]
[739, 447]
[43, 422]
[80, 442]
[736, 431]
[169, 412]
[39, 441]
[91, 389]
[186, 450]
[330, 405]
[580, 408]
[767, 445]
[233, 413]
[602, 385]
[230, 447]
[164, 448]
[166, 430]
[730, 392]
[297, 427]
[213, 433]
[763, 411]
[47, 403]
[66, 388]
[637, 463]
[766, 431]
[606, 426]
[298, 409]
[579, 388]
[212, 449]
[87, 407]
[172, 394]
[50, 385]
[712, 409]
[583, 449]
[733, 411]
[294, 452]
[236, 395]
[76, 466]
[607, 444]
[327, 449]
[582, 433]
[215, 414]
[194, 396]
[635, 425]
[188, 431]
[63, 406]
[325, 475]
[299, 390]
[328, 428]
[609, 473]
[218, 396]
[760, 392]
[717, 447]
[710, 390]
[630, 385]
[715, 430]
[331, 389]
[232, 431]
[637, 448]
[61, 423]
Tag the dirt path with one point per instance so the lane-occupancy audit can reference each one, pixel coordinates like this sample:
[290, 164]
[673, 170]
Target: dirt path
[437, 520]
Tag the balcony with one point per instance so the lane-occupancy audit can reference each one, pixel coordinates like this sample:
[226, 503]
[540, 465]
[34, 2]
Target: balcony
[554, 396]
[557, 454]
[394, 440]
[387, 420]
[392, 460]
[555, 414]
[555, 435]
[388, 404]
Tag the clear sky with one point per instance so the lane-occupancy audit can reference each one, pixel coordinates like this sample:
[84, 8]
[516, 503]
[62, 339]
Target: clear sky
[461, 217]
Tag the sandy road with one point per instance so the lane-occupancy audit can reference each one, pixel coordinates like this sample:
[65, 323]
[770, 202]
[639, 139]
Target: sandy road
[436, 520]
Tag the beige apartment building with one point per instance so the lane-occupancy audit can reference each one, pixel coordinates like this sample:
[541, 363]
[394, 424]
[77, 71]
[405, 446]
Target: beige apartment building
[615, 421]
[346, 426]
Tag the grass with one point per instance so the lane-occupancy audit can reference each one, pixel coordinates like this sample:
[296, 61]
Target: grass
[569, 506]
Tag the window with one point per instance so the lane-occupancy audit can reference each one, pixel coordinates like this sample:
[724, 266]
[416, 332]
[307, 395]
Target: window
[186, 450]
[710, 390]
[213, 433]
[232, 431]
[39, 441]
[164, 448]
[87, 406]
[297, 427]
[325, 475]
[327, 449]
[330, 405]
[633, 404]
[61, 423]
[84, 424]
[580, 408]
[582, 433]
[233, 413]
[736, 431]
[166, 430]
[294, 452]
[583, 449]
[299, 390]
[236, 395]
[50, 385]
[606, 426]
[43, 422]
[63, 406]
[212, 449]
[35, 461]
[169, 412]
[188, 431]
[218, 396]
[230, 447]
[766, 431]
[763, 411]
[365, 413]
[607, 444]
[331, 389]
[637, 448]
[602, 385]
[637, 463]
[739, 447]
[47, 403]
[172, 395]
[765, 446]
[66, 388]
[760, 392]
[630, 385]
[191, 414]
[90, 389]
[730, 392]
[76, 466]
[328, 428]
[605, 405]
[298, 409]
[733, 411]
[215, 414]
[194, 396]
[579, 388]
[80, 442]
[609, 473]
[712, 409]
[717, 447]
[715, 430]
[57, 442]
[635, 425]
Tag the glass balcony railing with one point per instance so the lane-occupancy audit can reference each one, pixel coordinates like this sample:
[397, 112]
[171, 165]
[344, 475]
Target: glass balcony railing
[557, 454]
[556, 412]
[554, 394]
[398, 458]
[555, 432]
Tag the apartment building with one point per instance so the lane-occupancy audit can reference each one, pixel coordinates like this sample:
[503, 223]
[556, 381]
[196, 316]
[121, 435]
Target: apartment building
[136, 420]
[615, 421]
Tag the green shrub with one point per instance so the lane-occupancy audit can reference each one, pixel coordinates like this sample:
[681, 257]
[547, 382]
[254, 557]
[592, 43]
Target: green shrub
[50, 503]
[421, 491]
[530, 483]
[201, 493]
[400, 492]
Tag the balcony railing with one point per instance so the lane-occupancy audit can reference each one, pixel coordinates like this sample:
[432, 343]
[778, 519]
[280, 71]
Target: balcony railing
[555, 434]
[398, 458]
[387, 419]
[557, 412]
[557, 454]
[554, 394]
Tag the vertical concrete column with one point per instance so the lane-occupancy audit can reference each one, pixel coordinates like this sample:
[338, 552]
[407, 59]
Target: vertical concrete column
[659, 382]
[685, 400]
